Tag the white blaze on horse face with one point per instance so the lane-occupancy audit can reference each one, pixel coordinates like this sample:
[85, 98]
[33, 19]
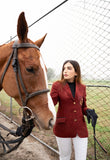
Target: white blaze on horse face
[50, 102]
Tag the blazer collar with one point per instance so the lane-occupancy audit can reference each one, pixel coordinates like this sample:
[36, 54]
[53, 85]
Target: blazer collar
[68, 90]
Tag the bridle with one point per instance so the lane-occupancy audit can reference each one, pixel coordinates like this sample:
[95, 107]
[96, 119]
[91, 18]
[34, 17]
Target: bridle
[27, 121]
[16, 67]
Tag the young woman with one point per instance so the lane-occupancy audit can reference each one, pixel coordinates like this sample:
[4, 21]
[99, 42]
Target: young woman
[70, 127]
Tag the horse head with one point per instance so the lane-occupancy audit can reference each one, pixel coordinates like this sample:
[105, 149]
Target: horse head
[25, 57]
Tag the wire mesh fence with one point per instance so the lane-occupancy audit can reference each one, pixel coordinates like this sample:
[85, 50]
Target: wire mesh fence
[80, 30]
[98, 98]
[86, 38]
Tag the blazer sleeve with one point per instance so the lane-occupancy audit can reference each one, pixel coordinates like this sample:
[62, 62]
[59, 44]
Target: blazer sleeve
[54, 93]
[84, 105]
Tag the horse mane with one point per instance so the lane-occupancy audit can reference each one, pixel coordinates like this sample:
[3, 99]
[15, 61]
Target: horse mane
[22, 28]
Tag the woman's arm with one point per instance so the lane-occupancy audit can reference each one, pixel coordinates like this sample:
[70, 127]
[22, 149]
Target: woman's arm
[54, 93]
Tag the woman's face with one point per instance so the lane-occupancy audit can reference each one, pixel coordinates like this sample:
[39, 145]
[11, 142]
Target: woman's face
[69, 72]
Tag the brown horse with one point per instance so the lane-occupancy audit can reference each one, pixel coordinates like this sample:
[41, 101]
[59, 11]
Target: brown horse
[23, 75]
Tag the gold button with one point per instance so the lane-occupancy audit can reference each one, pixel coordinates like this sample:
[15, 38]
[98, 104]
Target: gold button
[75, 120]
[75, 111]
[74, 102]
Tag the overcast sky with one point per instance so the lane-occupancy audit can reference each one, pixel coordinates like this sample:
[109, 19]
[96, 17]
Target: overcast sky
[34, 9]
[77, 30]
[54, 24]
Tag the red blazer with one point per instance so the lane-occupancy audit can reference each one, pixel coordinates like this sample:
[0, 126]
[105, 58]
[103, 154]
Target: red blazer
[70, 116]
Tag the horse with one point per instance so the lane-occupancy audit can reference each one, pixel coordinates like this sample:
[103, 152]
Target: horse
[23, 75]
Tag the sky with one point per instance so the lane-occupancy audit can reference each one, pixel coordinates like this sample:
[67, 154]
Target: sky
[52, 24]
[76, 30]
[34, 9]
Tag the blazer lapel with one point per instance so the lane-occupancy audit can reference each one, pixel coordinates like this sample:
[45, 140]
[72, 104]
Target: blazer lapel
[68, 90]
[76, 91]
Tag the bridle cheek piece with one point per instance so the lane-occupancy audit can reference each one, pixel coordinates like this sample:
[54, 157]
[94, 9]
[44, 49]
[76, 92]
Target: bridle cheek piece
[16, 68]
[28, 120]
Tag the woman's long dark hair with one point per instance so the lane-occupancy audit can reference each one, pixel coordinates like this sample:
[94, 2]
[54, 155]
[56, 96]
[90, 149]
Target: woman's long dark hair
[76, 66]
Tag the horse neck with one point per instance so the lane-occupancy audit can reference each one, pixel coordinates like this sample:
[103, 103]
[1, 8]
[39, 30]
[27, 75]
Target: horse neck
[5, 51]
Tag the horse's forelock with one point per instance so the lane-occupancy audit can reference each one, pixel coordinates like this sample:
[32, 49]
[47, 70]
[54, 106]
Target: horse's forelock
[22, 28]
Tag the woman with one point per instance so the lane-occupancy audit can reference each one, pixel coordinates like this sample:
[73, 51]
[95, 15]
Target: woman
[70, 126]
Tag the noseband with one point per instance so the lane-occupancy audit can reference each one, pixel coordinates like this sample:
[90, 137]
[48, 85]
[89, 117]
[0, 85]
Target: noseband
[16, 67]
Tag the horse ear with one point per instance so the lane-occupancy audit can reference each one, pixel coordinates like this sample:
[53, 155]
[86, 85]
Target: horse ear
[40, 41]
[22, 28]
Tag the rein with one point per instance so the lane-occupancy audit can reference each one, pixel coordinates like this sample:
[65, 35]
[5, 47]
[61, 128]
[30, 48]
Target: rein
[27, 121]
[22, 132]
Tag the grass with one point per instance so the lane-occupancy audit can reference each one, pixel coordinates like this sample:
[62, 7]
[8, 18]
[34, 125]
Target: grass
[5, 100]
[97, 98]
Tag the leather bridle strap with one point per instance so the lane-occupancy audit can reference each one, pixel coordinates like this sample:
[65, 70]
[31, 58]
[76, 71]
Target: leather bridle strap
[17, 70]
[27, 118]
[16, 45]
[7, 65]
[25, 45]
[16, 67]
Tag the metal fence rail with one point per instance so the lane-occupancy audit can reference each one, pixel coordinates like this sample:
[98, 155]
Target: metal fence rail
[86, 38]
[80, 30]
[46, 145]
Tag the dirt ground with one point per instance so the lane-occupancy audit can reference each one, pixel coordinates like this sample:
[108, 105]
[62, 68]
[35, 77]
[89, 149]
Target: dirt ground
[30, 149]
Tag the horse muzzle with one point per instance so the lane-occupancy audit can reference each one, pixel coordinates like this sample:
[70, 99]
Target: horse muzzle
[45, 124]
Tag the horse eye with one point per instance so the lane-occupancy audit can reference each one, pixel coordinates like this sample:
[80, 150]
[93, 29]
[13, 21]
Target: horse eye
[30, 69]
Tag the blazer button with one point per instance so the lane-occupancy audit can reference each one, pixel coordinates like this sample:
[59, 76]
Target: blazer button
[74, 102]
[75, 111]
[75, 120]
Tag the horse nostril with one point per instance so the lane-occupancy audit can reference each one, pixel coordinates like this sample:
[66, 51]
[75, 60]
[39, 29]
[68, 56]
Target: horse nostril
[51, 123]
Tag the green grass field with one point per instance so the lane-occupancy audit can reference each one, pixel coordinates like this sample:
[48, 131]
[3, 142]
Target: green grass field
[97, 98]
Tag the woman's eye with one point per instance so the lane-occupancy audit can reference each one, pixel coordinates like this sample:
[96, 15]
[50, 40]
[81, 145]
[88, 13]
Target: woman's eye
[31, 70]
[69, 68]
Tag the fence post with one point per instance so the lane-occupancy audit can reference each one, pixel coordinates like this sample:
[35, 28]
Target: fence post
[11, 115]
